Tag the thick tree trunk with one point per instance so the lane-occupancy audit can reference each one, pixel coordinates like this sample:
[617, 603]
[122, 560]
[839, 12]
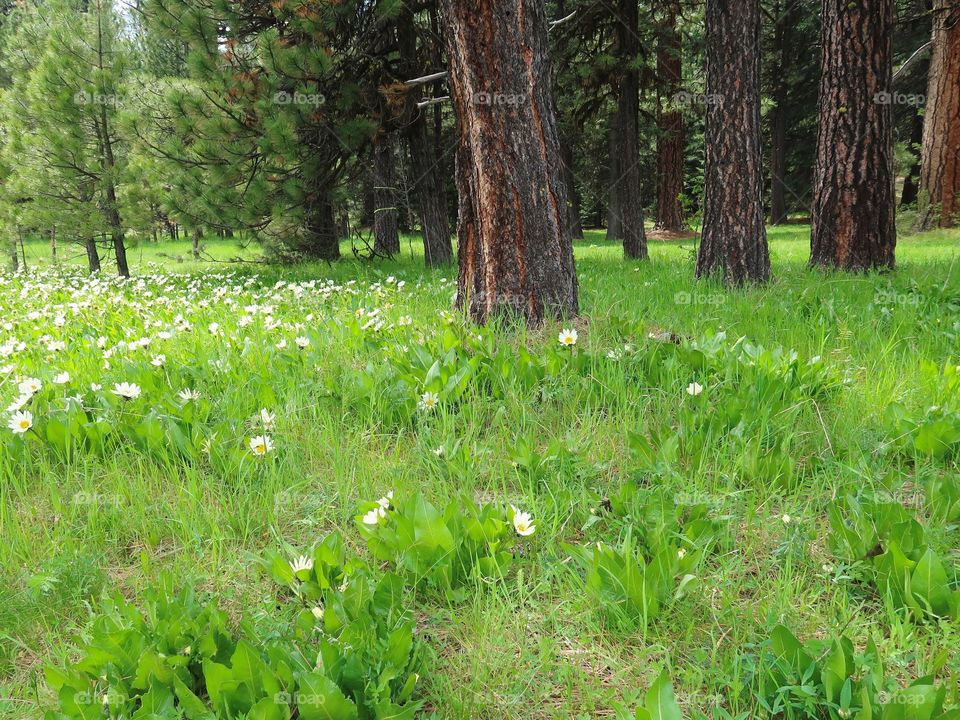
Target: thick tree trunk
[669, 123]
[853, 204]
[778, 119]
[614, 222]
[734, 238]
[940, 176]
[428, 187]
[93, 255]
[386, 236]
[322, 241]
[628, 113]
[516, 253]
[911, 183]
[195, 243]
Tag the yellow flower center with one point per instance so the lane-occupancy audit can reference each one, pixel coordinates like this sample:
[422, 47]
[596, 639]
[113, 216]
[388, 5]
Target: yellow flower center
[24, 424]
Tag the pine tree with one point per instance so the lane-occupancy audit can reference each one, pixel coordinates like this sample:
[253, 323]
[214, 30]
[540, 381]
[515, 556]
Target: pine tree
[734, 239]
[516, 253]
[853, 204]
[67, 154]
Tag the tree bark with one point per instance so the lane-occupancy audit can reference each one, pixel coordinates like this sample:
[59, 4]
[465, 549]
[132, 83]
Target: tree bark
[93, 255]
[573, 195]
[516, 252]
[628, 130]
[940, 175]
[734, 238]
[778, 119]
[614, 222]
[195, 243]
[14, 257]
[911, 183]
[853, 203]
[669, 123]
[322, 241]
[386, 236]
[425, 167]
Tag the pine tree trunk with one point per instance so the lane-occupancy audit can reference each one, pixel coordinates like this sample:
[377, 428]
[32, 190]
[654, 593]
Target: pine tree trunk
[573, 195]
[940, 175]
[778, 119]
[614, 222]
[853, 204]
[14, 257]
[734, 238]
[386, 242]
[195, 243]
[516, 253]
[911, 183]
[628, 115]
[669, 123]
[93, 255]
[322, 241]
[428, 192]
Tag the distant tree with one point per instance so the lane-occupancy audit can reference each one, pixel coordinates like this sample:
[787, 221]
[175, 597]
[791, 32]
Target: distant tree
[425, 163]
[385, 231]
[940, 173]
[67, 155]
[275, 114]
[515, 246]
[627, 184]
[734, 240]
[670, 144]
[853, 203]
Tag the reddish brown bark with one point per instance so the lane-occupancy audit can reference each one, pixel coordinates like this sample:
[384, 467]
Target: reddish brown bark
[515, 249]
[940, 173]
[669, 123]
[853, 195]
[734, 238]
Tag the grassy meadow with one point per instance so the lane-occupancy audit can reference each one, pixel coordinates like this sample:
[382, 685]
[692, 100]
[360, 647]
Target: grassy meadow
[782, 461]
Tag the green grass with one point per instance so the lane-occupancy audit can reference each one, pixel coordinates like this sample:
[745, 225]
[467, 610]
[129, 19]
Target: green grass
[534, 645]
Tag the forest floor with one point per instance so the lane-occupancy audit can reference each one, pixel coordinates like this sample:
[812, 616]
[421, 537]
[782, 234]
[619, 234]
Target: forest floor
[759, 410]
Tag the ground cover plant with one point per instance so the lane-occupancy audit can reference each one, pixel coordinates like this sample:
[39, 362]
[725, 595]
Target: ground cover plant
[319, 492]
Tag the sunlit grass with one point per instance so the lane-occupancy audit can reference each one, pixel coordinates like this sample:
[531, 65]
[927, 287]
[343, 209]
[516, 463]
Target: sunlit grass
[534, 646]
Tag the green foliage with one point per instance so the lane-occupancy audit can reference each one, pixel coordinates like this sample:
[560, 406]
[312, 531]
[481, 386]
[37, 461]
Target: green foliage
[629, 589]
[660, 703]
[895, 551]
[443, 550]
[936, 431]
[179, 659]
[828, 679]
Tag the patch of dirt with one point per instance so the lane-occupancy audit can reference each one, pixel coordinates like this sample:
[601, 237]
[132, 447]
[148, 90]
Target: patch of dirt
[668, 235]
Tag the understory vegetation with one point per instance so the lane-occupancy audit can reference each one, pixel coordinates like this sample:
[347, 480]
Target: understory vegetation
[319, 492]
